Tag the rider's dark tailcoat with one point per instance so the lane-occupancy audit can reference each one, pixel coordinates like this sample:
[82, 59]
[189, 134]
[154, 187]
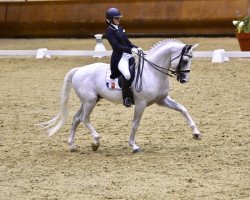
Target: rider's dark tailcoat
[120, 43]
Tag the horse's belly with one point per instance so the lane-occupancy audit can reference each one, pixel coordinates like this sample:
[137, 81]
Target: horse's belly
[114, 96]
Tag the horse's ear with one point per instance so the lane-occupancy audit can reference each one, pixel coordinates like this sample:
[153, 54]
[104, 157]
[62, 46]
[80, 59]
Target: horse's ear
[194, 46]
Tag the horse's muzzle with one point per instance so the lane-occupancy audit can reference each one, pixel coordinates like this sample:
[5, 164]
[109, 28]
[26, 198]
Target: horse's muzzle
[182, 78]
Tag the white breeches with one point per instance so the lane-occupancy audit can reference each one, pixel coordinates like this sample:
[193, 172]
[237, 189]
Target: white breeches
[123, 65]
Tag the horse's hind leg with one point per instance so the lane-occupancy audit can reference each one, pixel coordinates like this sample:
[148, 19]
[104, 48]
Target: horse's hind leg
[170, 103]
[87, 110]
[75, 123]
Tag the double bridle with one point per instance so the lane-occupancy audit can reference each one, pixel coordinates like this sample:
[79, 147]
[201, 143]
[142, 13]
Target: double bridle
[184, 51]
[178, 71]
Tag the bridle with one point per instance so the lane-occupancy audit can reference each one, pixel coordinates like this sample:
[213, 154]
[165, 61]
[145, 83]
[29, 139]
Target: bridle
[184, 51]
[178, 71]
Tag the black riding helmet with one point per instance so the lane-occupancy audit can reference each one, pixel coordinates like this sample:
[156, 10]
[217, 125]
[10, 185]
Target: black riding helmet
[112, 13]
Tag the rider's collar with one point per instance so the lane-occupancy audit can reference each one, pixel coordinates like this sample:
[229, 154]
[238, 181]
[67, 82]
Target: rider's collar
[116, 27]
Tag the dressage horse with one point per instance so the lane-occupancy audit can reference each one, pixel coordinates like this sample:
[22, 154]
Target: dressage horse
[151, 85]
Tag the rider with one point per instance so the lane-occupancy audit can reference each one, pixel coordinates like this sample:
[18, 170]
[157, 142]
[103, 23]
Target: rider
[123, 49]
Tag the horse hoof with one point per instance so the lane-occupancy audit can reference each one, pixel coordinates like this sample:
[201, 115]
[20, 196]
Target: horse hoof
[197, 136]
[73, 148]
[137, 150]
[95, 146]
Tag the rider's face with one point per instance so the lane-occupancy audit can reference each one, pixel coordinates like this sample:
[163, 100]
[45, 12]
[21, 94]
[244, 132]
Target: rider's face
[116, 20]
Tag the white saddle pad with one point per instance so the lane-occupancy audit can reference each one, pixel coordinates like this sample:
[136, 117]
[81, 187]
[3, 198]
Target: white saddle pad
[111, 84]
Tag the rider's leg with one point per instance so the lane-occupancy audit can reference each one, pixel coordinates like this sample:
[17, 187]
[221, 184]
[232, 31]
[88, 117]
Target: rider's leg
[123, 67]
[126, 93]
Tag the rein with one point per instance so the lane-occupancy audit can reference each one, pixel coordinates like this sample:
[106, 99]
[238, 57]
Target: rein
[138, 80]
[163, 70]
[141, 55]
[155, 66]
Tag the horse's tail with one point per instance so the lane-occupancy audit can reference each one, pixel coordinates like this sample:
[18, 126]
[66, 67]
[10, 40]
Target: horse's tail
[63, 114]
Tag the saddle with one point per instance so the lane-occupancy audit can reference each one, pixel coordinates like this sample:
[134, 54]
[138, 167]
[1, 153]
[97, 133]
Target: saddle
[123, 84]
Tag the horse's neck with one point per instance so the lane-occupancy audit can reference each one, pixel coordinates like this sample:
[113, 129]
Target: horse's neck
[162, 53]
[161, 57]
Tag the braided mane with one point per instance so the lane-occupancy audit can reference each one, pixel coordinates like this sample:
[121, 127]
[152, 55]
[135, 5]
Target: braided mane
[163, 42]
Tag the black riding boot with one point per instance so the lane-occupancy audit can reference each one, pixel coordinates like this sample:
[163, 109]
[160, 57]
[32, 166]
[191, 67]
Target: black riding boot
[127, 93]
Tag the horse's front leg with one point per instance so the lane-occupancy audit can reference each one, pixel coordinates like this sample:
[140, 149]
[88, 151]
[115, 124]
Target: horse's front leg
[170, 103]
[139, 108]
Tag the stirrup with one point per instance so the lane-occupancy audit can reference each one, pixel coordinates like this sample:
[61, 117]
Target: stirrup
[127, 102]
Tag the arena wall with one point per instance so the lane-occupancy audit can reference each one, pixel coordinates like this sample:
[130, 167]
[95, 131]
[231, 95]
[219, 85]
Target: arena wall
[83, 18]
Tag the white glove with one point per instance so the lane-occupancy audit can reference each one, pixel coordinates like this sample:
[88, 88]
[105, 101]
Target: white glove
[134, 51]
